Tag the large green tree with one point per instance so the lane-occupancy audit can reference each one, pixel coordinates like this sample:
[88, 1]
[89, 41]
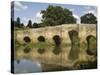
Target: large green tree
[56, 15]
[89, 18]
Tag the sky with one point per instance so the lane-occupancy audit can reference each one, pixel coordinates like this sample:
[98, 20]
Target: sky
[31, 10]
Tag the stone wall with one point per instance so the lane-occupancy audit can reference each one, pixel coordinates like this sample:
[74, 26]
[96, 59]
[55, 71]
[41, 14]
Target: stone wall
[83, 30]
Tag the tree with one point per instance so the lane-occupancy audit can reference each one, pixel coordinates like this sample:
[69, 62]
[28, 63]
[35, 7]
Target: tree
[35, 25]
[21, 25]
[29, 24]
[56, 15]
[88, 18]
[18, 22]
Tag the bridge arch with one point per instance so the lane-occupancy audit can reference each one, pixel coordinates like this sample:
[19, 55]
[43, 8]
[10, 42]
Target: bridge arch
[41, 39]
[27, 39]
[57, 40]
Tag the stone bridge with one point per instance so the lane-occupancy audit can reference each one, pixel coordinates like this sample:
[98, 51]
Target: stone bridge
[48, 33]
[48, 59]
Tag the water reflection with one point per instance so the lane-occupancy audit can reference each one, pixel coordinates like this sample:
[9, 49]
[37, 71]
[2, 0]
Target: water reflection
[26, 66]
[57, 40]
[27, 49]
[41, 50]
[91, 45]
[57, 50]
[74, 53]
[48, 56]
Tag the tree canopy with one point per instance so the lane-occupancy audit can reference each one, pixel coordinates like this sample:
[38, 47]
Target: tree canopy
[89, 18]
[56, 15]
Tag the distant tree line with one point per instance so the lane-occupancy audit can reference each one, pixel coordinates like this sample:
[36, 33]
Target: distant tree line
[18, 24]
[56, 15]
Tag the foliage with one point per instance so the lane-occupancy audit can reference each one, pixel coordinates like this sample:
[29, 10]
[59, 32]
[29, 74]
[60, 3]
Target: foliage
[89, 18]
[17, 23]
[21, 25]
[56, 15]
[29, 24]
[35, 25]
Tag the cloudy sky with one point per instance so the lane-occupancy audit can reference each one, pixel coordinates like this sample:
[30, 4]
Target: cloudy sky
[31, 10]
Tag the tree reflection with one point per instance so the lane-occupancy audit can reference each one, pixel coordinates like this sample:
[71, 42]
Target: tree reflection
[57, 50]
[27, 50]
[41, 50]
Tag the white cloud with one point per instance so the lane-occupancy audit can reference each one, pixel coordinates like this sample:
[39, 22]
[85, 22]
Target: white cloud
[90, 9]
[19, 6]
[38, 15]
[25, 20]
[72, 10]
[36, 18]
[77, 18]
